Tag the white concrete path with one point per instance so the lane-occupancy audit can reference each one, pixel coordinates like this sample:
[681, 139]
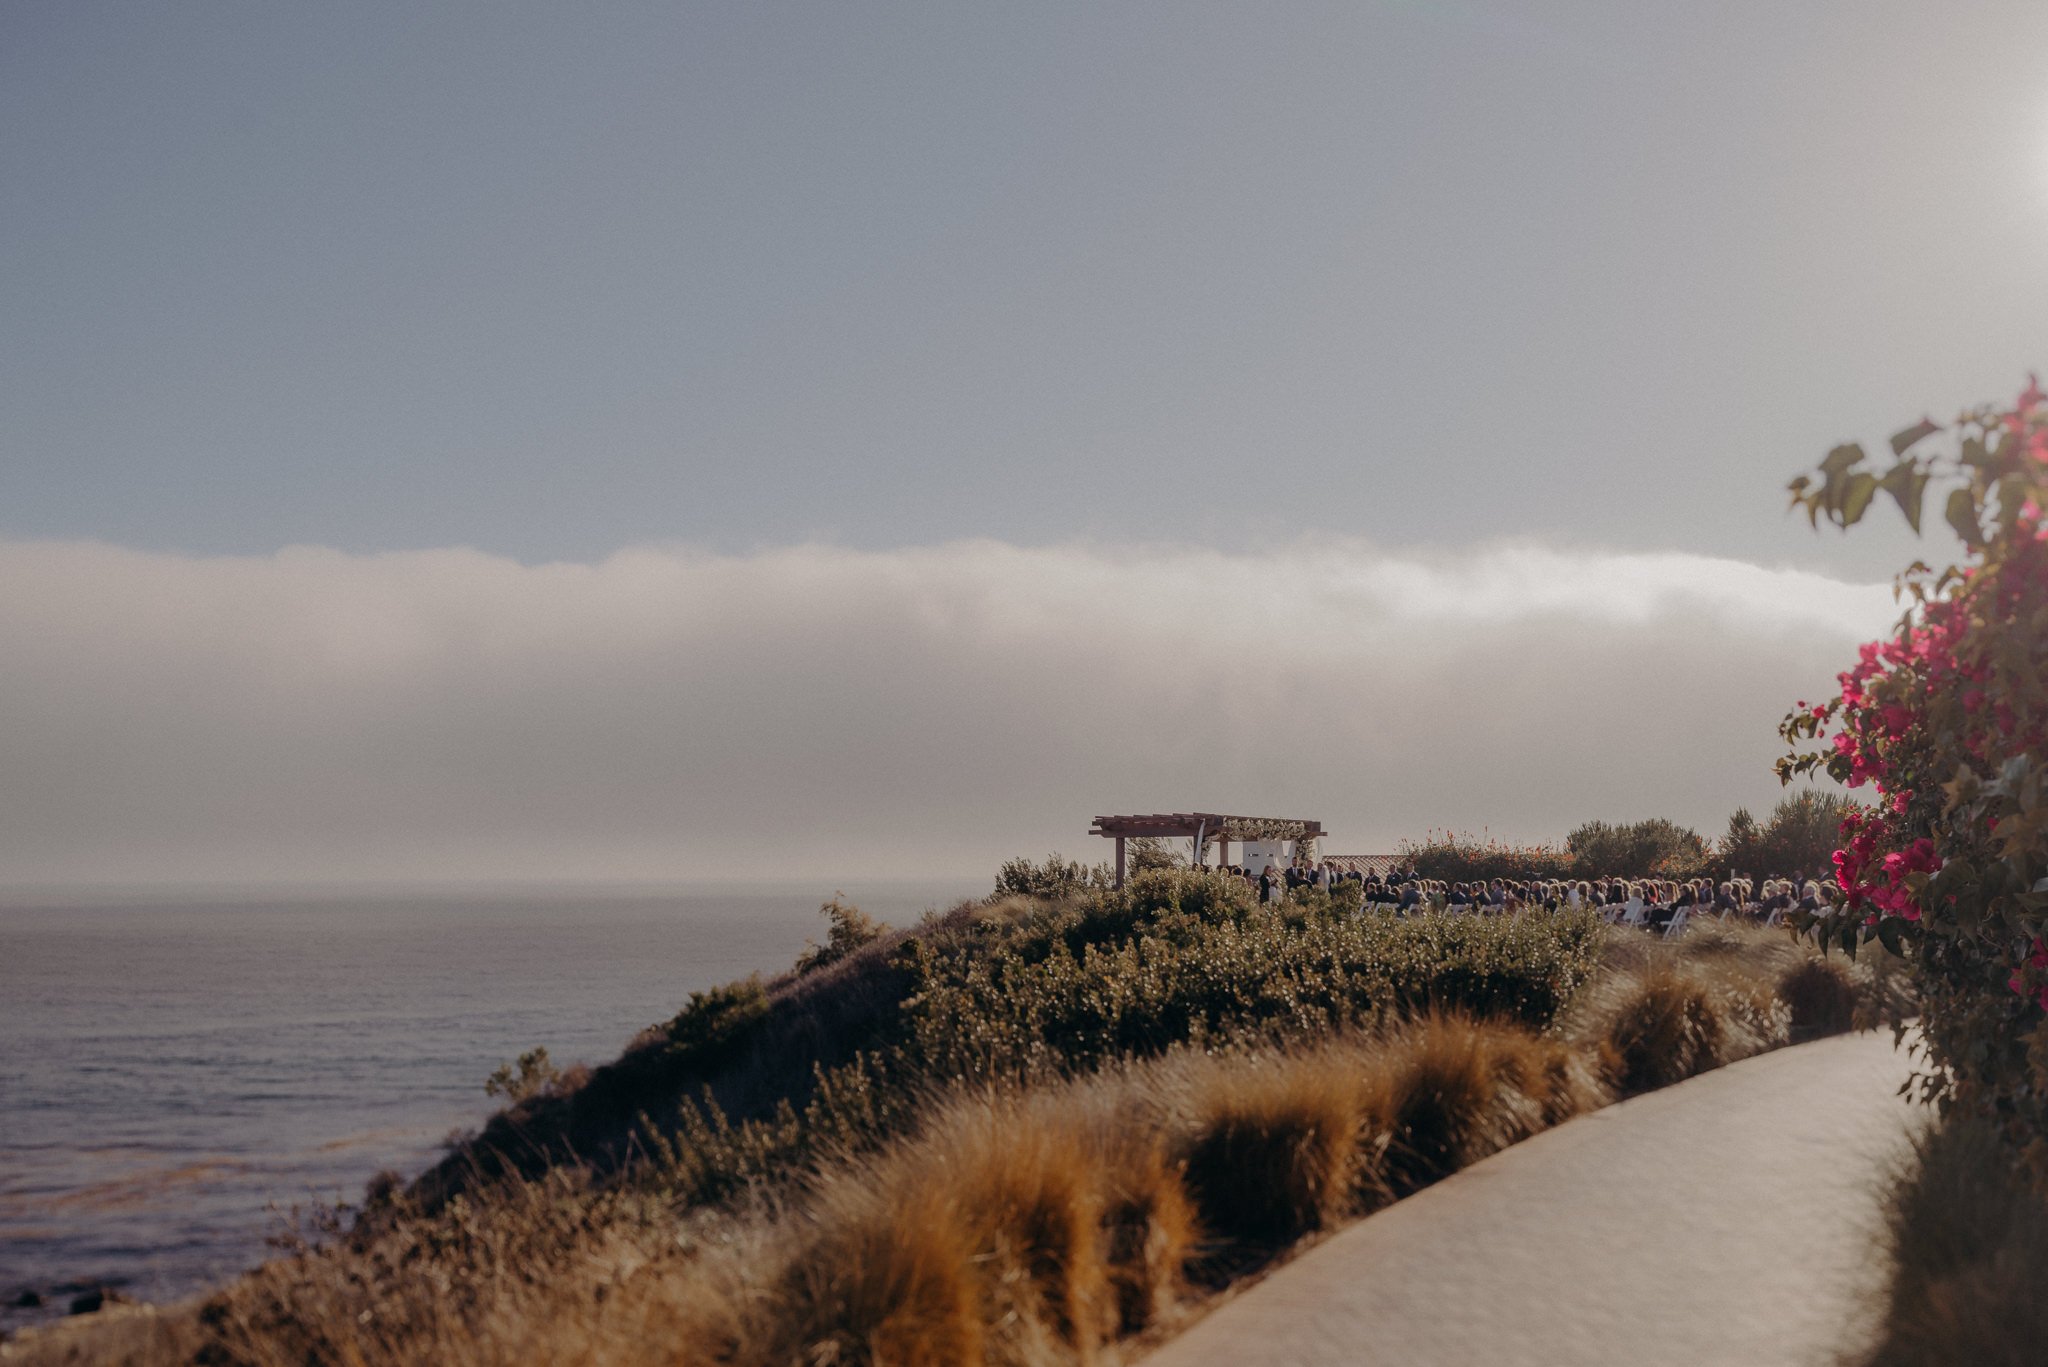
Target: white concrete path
[1730, 1219]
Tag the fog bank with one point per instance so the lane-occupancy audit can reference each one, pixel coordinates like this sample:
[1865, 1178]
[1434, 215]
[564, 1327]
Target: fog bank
[818, 711]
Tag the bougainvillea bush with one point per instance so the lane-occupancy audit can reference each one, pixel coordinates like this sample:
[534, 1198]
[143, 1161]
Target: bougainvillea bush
[1944, 720]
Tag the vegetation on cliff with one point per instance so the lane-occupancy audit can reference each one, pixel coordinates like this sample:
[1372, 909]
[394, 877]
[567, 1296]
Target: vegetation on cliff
[1029, 1130]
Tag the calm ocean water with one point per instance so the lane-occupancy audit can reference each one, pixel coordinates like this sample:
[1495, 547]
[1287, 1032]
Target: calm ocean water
[175, 1076]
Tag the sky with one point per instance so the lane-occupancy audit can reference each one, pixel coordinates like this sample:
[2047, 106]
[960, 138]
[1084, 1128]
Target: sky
[626, 441]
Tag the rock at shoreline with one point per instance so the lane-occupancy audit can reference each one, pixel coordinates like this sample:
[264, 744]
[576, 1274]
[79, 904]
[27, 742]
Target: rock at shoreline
[95, 1299]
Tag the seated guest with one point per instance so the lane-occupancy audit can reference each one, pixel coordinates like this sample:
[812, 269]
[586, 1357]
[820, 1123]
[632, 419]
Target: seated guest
[1670, 897]
[1632, 908]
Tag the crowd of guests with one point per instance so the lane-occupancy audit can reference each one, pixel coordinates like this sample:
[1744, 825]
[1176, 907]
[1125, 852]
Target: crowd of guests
[1651, 903]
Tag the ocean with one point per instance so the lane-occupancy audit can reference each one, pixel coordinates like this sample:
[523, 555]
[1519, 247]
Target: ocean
[177, 1077]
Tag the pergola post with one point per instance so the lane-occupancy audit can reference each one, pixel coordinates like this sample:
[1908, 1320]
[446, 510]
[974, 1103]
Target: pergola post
[1119, 861]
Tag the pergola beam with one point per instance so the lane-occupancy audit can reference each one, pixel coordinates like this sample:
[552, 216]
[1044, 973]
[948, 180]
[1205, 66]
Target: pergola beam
[1190, 824]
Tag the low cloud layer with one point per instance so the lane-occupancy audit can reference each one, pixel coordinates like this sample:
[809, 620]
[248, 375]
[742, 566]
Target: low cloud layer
[822, 712]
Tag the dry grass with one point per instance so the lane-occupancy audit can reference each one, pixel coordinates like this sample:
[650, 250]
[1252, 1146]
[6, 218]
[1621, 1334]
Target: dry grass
[1055, 1223]
[1017, 1227]
[1969, 1245]
[1666, 1030]
[1274, 1148]
[1664, 1012]
[1821, 997]
[1045, 1226]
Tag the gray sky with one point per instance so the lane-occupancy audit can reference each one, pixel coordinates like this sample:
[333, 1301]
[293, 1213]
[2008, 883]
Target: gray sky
[1024, 297]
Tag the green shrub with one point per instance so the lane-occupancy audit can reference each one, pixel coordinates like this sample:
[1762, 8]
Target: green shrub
[1188, 960]
[1055, 878]
[1036, 990]
[851, 929]
[715, 1021]
[534, 1074]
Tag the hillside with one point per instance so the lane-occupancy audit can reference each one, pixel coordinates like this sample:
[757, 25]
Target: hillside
[1022, 1131]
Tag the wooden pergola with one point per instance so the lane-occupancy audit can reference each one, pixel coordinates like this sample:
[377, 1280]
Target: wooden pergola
[1195, 826]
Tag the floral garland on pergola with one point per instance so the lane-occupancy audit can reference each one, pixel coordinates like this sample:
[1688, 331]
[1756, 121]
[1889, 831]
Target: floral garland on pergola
[1256, 828]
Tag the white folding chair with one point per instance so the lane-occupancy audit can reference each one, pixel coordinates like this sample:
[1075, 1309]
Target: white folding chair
[1677, 926]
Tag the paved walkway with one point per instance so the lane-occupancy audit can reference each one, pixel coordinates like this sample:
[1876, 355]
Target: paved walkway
[1730, 1219]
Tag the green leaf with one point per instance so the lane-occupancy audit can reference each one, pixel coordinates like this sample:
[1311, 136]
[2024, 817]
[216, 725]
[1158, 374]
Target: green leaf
[1968, 914]
[2014, 491]
[1962, 515]
[1919, 431]
[1906, 482]
[1891, 933]
[1856, 495]
[1841, 459]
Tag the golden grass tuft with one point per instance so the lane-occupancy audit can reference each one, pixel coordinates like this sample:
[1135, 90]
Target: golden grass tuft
[882, 1281]
[1667, 1029]
[1432, 1100]
[1822, 999]
[1275, 1145]
[1450, 1091]
[1012, 1229]
[1152, 1230]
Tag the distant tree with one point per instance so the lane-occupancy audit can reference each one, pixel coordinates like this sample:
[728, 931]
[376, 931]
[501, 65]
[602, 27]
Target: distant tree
[1739, 847]
[1801, 836]
[1654, 848]
[1460, 857]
